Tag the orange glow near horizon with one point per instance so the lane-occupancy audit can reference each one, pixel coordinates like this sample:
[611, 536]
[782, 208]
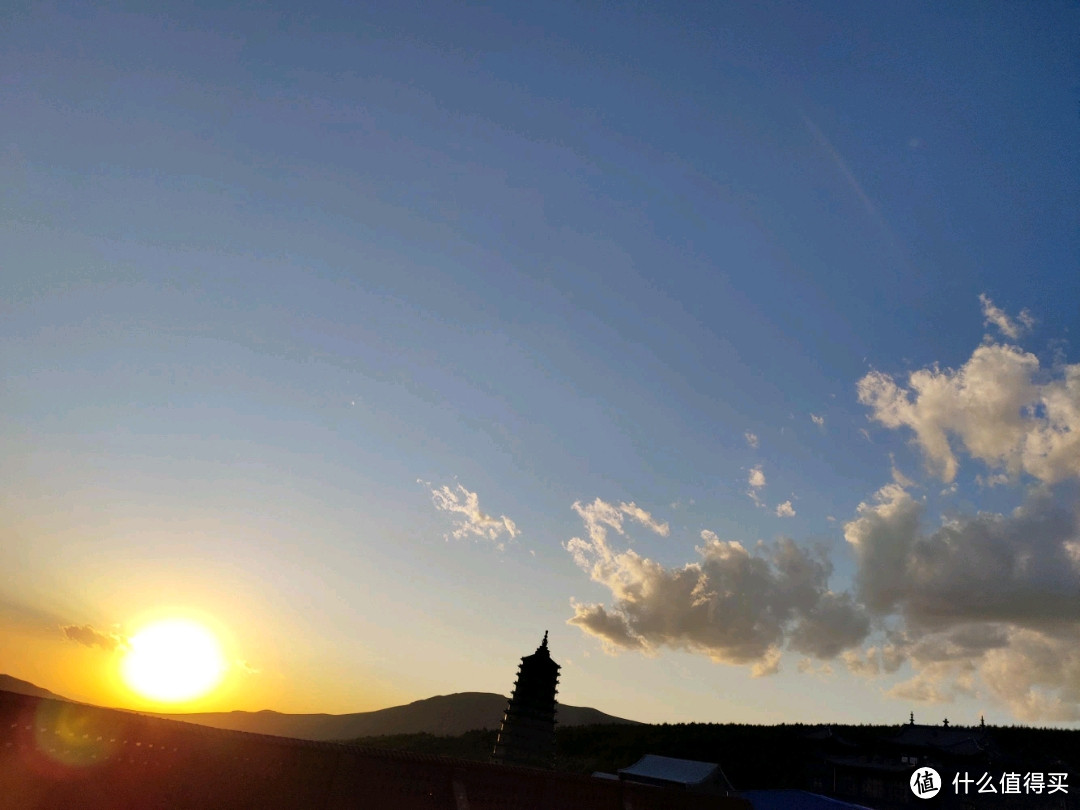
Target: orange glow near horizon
[173, 661]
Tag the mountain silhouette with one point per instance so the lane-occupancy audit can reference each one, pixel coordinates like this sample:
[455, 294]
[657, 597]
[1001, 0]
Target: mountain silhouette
[443, 715]
[9, 684]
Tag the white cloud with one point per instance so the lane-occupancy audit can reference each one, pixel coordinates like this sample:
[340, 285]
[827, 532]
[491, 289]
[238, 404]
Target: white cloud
[785, 510]
[768, 664]
[818, 420]
[635, 512]
[734, 606]
[999, 406]
[937, 682]
[1037, 675]
[862, 663]
[473, 521]
[806, 666]
[1033, 673]
[751, 439]
[991, 481]
[874, 661]
[599, 516]
[756, 478]
[993, 316]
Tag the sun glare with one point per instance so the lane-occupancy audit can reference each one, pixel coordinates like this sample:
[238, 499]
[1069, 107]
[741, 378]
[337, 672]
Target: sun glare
[172, 661]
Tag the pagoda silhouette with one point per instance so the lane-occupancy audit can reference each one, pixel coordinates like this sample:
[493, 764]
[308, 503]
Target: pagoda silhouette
[527, 734]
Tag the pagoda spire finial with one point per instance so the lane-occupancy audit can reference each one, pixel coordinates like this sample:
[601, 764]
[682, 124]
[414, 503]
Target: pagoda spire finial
[544, 642]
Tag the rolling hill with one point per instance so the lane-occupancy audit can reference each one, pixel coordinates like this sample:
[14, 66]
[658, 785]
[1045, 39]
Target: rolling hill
[9, 684]
[443, 715]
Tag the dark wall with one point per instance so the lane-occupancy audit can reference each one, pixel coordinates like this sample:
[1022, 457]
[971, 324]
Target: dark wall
[56, 756]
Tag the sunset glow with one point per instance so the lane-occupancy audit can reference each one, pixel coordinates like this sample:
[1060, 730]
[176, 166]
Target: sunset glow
[173, 661]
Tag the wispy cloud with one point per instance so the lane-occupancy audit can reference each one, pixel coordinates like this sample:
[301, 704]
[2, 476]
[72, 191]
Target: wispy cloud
[853, 182]
[473, 521]
[818, 420]
[89, 636]
[751, 439]
[785, 510]
[994, 316]
[897, 476]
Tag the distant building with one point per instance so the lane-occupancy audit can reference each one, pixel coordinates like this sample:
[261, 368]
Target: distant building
[527, 734]
[878, 773]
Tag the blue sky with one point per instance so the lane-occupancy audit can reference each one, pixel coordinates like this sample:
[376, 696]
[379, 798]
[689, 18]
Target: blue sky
[273, 279]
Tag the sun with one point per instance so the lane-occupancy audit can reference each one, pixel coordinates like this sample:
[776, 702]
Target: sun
[173, 660]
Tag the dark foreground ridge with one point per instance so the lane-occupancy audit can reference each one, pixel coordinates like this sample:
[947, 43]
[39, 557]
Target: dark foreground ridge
[56, 755]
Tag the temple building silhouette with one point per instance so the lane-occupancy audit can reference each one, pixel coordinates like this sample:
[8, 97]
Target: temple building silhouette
[527, 734]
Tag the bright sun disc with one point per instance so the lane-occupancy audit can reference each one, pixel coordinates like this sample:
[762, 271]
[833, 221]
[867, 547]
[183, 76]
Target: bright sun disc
[173, 660]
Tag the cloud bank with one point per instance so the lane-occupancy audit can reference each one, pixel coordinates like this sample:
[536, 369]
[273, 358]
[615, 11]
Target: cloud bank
[988, 595]
[734, 606]
[983, 605]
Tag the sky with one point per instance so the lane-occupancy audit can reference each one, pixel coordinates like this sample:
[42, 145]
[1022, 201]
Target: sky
[733, 344]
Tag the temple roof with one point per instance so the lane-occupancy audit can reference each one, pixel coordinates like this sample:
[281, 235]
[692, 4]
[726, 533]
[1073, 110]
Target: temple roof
[669, 769]
[962, 741]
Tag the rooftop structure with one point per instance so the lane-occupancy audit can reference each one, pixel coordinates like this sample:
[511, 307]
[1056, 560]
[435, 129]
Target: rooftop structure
[686, 774]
